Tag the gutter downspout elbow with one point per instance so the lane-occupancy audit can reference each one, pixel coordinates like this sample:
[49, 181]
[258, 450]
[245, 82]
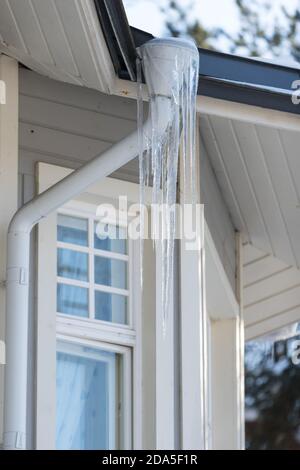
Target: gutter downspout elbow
[18, 263]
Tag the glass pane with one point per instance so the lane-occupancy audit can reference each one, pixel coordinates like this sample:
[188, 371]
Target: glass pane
[72, 230]
[111, 272]
[87, 384]
[72, 300]
[110, 238]
[111, 307]
[272, 383]
[72, 264]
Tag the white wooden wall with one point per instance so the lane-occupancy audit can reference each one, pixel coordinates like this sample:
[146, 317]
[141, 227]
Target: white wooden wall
[68, 125]
[271, 292]
[217, 215]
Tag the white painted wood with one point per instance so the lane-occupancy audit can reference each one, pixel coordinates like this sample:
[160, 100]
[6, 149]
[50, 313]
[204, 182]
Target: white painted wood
[251, 254]
[193, 346]
[2, 353]
[66, 125]
[257, 168]
[277, 304]
[254, 153]
[240, 342]
[193, 334]
[271, 286]
[2, 92]
[217, 215]
[261, 269]
[8, 184]
[58, 143]
[220, 296]
[51, 27]
[164, 366]
[207, 105]
[280, 148]
[73, 120]
[227, 373]
[148, 349]
[226, 384]
[111, 334]
[271, 293]
[46, 327]
[272, 324]
[36, 85]
[62, 40]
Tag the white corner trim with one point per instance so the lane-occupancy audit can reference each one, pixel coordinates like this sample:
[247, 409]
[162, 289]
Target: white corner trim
[2, 92]
[2, 353]
[224, 304]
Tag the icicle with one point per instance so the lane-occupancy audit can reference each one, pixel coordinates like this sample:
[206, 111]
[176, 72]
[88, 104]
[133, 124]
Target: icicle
[159, 163]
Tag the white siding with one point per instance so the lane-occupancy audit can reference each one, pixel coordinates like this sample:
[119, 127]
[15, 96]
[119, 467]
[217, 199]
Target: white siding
[217, 215]
[58, 38]
[258, 170]
[68, 125]
[271, 292]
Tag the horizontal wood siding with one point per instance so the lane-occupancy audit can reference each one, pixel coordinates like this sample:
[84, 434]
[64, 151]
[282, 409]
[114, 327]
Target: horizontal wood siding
[271, 292]
[68, 125]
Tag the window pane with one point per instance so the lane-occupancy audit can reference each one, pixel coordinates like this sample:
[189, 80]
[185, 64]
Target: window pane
[87, 384]
[272, 383]
[72, 264]
[110, 272]
[111, 307]
[72, 230]
[72, 300]
[110, 238]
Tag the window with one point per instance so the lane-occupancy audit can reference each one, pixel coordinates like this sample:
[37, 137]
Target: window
[272, 380]
[87, 394]
[93, 378]
[92, 270]
[89, 325]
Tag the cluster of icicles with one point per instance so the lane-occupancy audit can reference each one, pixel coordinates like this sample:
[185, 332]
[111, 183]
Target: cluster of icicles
[161, 154]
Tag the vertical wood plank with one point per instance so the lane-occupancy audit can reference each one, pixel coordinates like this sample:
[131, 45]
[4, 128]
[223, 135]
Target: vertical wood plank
[227, 346]
[46, 327]
[164, 353]
[8, 182]
[193, 339]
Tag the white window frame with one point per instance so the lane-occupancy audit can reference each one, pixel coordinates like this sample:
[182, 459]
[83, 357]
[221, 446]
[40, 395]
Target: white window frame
[87, 211]
[125, 339]
[125, 352]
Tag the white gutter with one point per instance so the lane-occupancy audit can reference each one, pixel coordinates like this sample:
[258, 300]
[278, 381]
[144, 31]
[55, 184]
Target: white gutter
[18, 261]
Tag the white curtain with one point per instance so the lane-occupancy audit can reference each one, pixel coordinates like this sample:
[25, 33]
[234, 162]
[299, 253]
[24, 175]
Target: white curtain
[82, 412]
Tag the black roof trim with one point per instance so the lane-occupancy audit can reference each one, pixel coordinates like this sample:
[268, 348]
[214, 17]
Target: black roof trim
[223, 76]
[117, 32]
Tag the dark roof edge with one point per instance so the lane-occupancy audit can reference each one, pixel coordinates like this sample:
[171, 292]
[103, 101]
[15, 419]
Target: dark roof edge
[223, 76]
